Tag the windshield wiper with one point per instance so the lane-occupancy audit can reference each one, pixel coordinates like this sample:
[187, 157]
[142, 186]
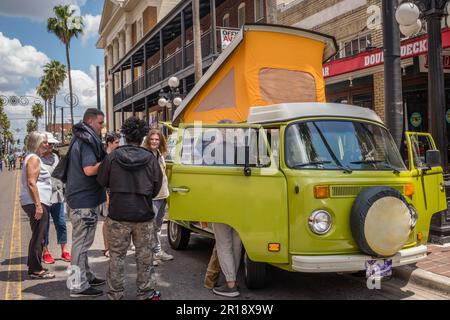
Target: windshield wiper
[312, 163]
[387, 165]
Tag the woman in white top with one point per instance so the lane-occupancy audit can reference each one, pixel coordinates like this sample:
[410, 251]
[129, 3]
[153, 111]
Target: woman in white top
[35, 198]
[156, 143]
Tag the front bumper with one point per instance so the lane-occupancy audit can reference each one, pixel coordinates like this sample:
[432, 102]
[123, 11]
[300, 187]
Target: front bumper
[354, 262]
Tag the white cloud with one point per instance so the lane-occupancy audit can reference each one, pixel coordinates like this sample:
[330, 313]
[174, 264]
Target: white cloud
[37, 10]
[18, 62]
[91, 25]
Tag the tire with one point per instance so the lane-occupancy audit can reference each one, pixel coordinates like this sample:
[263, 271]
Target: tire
[255, 273]
[380, 221]
[178, 236]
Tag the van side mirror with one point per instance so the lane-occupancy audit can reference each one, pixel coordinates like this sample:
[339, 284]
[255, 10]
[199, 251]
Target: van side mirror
[247, 169]
[433, 158]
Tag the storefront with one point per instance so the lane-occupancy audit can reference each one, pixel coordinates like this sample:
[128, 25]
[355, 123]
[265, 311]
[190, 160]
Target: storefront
[351, 80]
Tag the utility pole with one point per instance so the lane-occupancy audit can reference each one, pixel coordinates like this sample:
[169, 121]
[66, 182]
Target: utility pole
[392, 72]
[198, 64]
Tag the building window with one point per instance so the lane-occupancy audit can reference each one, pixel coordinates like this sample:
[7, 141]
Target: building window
[259, 10]
[241, 15]
[140, 29]
[226, 21]
[356, 46]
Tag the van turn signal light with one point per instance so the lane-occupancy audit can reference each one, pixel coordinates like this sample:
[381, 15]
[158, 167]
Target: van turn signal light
[321, 192]
[419, 236]
[409, 189]
[274, 247]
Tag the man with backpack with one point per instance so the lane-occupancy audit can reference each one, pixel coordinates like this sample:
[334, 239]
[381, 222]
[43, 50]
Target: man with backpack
[84, 198]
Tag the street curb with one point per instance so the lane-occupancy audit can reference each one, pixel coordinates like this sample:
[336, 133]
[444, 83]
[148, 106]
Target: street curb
[423, 278]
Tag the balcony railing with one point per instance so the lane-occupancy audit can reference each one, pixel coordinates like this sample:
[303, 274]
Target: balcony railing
[172, 64]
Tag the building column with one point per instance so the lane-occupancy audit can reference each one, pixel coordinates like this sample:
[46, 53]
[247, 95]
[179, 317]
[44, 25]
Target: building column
[378, 94]
[115, 51]
[128, 38]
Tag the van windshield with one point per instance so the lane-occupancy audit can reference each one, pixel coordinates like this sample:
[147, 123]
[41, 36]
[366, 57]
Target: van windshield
[340, 144]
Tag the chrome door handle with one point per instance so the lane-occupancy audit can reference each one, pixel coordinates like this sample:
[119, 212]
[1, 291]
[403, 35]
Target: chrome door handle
[180, 189]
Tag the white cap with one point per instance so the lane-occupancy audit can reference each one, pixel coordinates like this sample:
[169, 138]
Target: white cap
[51, 138]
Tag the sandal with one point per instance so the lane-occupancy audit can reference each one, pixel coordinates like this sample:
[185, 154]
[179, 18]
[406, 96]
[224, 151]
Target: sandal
[44, 274]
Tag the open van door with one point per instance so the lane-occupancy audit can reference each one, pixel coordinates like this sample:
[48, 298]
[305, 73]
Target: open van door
[216, 178]
[427, 171]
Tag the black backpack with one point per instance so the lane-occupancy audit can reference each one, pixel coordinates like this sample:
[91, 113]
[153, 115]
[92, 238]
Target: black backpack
[62, 168]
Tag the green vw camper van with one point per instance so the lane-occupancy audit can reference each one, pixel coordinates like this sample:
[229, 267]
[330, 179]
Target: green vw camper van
[312, 187]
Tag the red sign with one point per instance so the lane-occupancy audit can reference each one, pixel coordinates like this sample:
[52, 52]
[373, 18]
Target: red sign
[409, 48]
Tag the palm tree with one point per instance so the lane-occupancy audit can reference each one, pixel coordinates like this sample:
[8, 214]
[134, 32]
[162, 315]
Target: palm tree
[37, 110]
[197, 40]
[63, 27]
[43, 90]
[54, 74]
[31, 126]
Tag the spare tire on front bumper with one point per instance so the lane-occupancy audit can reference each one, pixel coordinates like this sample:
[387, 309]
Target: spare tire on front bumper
[380, 221]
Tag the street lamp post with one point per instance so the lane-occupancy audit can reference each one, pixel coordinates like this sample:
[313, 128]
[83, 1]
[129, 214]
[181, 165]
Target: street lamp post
[171, 98]
[62, 121]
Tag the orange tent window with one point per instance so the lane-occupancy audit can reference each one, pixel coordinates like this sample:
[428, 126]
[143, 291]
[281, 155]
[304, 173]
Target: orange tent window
[283, 86]
[222, 96]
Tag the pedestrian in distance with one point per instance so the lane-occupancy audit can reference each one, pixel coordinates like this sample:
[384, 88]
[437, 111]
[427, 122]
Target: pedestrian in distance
[1, 164]
[156, 143]
[84, 197]
[35, 199]
[49, 161]
[112, 142]
[133, 175]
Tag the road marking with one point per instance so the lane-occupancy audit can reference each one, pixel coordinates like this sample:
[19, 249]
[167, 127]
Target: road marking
[14, 286]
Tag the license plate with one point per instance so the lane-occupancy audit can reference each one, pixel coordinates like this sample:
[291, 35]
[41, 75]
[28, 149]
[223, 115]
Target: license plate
[379, 268]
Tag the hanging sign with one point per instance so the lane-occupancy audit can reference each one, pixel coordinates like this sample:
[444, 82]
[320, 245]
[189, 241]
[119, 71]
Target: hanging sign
[227, 36]
[447, 116]
[416, 119]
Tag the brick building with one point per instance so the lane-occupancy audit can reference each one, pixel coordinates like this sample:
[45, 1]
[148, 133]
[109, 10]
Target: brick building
[145, 44]
[356, 74]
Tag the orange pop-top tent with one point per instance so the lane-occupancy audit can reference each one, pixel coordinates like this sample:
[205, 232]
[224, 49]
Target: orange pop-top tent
[264, 65]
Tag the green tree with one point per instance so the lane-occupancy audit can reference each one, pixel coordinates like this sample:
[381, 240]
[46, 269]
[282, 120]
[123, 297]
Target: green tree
[37, 111]
[54, 75]
[66, 26]
[31, 126]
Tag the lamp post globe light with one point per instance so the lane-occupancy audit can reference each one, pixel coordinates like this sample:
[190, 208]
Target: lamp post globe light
[170, 98]
[409, 15]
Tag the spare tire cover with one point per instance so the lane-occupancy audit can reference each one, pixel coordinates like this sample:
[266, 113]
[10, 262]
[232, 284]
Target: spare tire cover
[380, 221]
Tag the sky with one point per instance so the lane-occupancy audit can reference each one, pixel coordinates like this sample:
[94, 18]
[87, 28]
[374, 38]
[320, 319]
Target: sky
[26, 46]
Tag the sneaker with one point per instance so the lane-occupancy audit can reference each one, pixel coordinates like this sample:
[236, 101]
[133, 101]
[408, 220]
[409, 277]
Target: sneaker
[161, 255]
[65, 256]
[47, 258]
[155, 295]
[97, 282]
[89, 292]
[226, 291]
[132, 247]
[155, 263]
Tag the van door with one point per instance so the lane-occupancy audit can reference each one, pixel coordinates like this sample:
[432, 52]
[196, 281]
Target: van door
[429, 179]
[211, 183]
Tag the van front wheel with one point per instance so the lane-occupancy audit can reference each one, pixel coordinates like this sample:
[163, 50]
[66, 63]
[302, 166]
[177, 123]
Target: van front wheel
[178, 236]
[255, 273]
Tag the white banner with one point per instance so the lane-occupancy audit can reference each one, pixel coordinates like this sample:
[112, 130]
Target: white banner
[227, 36]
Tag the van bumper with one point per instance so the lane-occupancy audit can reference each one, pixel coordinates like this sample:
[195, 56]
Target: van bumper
[354, 262]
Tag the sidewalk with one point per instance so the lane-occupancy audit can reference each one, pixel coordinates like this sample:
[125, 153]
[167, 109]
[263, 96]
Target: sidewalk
[433, 272]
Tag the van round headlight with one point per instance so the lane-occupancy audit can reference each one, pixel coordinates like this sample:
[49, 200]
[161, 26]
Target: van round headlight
[320, 222]
[414, 216]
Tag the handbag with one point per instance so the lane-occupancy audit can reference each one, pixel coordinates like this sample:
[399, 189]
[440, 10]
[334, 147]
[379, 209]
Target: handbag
[62, 168]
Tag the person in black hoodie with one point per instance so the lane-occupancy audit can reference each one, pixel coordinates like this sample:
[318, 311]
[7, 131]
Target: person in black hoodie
[134, 177]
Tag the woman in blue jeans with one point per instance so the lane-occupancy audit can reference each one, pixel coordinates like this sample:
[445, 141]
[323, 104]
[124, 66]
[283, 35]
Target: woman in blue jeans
[49, 163]
[156, 143]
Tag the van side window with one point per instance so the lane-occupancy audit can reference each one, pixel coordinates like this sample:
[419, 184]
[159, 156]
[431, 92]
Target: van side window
[223, 147]
[171, 146]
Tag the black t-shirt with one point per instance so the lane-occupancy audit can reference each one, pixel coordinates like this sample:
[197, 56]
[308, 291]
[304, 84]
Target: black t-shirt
[83, 191]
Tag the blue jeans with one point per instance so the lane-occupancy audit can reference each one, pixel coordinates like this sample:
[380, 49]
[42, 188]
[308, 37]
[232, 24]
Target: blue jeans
[57, 213]
[159, 208]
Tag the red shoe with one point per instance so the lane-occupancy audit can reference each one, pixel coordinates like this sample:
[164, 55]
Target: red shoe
[47, 258]
[66, 256]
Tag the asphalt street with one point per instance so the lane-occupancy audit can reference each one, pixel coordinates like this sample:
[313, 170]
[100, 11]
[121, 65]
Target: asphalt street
[180, 279]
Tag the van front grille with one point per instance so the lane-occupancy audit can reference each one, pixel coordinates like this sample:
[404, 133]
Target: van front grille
[353, 191]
